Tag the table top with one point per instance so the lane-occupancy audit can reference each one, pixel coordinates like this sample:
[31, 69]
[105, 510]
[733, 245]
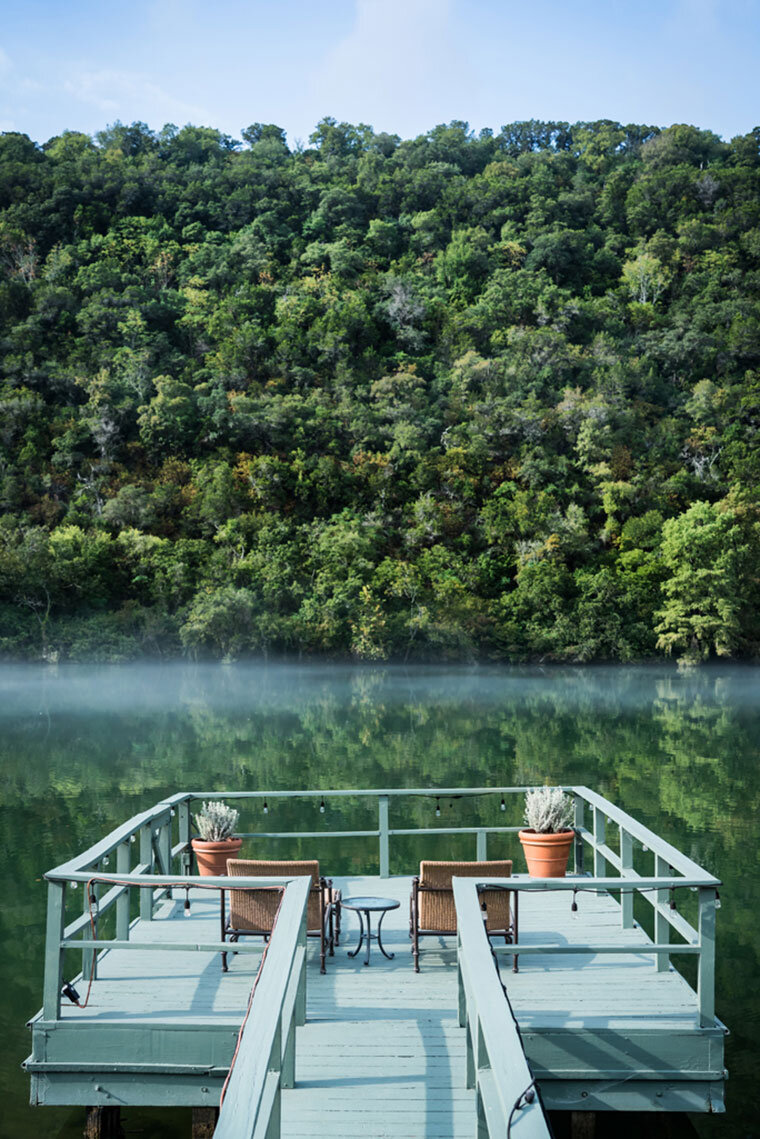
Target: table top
[371, 903]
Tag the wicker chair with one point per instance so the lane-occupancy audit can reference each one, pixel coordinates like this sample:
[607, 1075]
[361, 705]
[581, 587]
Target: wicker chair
[252, 911]
[431, 906]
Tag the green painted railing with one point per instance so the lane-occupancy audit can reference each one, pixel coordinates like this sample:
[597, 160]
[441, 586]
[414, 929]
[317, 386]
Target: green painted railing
[148, 847]
[507, 1101]
[266, 1059]
[160, 839]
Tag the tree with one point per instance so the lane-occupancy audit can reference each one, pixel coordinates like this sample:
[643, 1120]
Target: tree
[708, 557]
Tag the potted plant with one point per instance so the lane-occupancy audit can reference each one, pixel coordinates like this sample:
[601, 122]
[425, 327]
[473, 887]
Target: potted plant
[548, 836]
[216, 823]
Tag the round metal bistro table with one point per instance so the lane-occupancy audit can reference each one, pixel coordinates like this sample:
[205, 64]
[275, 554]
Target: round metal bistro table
[367, 906]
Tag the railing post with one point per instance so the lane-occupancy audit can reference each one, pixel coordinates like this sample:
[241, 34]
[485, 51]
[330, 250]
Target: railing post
[481, 849]
[165, 847]
[87, 954]
[146, 858]
[470, 1078]
[661, 923]
[275, 1065]
[626, 863]
[706, 972]
[288, 1070]
[123, 853]
[481, 1062]
[300, 1002]
[580, 812]
[51, 1002]
[600, 862]
[461, 998]
[382, 814]
[183, 811]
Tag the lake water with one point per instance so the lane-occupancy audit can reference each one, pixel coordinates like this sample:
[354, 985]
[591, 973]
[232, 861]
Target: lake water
[82, 749]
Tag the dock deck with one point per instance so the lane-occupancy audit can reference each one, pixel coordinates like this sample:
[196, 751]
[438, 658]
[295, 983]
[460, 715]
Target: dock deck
[382, 1052]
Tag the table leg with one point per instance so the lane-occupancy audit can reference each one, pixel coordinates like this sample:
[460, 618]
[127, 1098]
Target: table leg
[369, 936]
[353, 952]
[390, 956]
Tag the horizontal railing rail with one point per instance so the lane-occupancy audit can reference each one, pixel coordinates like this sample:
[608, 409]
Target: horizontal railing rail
[507, 1101]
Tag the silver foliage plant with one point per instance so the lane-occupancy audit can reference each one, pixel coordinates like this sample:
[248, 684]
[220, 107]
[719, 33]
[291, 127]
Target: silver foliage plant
[548, 810]
[216, 821]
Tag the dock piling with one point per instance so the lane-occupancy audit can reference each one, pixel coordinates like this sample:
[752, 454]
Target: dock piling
[104, 1123]
[204, 1122]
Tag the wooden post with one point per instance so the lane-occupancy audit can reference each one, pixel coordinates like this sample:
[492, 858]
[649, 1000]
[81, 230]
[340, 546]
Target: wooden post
[123, 856]
[87, 954]
[600, 862]
[706, 972]
[481, 1062]
[299, 1010]
[183, 811]
[288, 1065]
[469, 1078]
[461, 998]
[103, 1123]
[383, 828]
[481, 1123]
[661, 923]
[165, 847]
[580, 810]
[51, 1003]
[204, 1122]
[582, 1124]
[146, 858]
[96, 892]
[626, 863]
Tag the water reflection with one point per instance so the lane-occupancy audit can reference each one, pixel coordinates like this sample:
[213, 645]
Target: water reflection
[81, 749]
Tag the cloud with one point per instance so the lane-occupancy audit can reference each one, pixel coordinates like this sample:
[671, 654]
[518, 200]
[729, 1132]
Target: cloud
[399, 58]
[131, 95]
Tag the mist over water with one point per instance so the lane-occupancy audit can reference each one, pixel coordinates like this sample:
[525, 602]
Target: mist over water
[82, 749]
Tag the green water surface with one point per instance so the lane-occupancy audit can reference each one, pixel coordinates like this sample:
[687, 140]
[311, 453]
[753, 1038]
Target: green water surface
[82, 749]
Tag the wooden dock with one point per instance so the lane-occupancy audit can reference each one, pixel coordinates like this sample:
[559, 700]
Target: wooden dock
[382, 1052]
[606, 1023]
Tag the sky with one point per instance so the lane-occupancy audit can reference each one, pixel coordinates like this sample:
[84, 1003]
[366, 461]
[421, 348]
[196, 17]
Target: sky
[402, 66]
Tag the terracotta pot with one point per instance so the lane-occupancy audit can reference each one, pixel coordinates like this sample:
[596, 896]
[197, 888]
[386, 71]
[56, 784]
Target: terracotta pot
[546, 854]
[212, 856]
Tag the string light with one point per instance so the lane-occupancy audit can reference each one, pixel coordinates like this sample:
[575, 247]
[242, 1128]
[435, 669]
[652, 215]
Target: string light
[322, 807]
[266, 808]
[503, 805]
[437, 808]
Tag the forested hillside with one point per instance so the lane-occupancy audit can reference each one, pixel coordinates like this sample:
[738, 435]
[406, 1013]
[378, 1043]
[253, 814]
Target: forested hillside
[486, 396]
